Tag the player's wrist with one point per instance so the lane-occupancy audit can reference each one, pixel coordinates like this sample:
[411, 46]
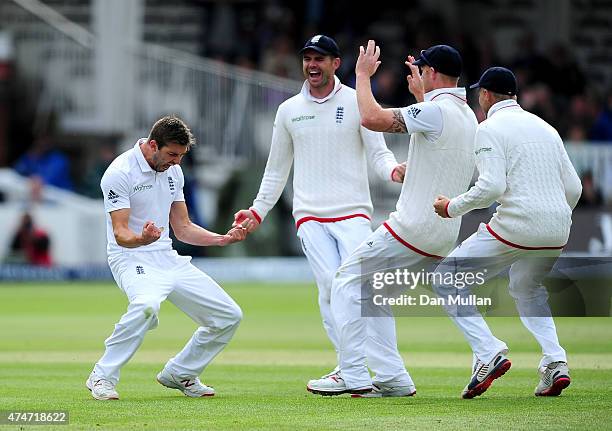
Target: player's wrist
[256, 215]
[446, 209]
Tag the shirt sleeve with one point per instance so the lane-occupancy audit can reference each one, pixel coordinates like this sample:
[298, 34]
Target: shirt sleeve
[277, 169]
[424, 117]
[571, 180]
[116, 190]
[380, 157]
[491, 183]
[179, 195]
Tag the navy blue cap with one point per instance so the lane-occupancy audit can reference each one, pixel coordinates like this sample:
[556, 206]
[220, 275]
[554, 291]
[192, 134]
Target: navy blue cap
[499, 80]
[445, 59]
[323, 44]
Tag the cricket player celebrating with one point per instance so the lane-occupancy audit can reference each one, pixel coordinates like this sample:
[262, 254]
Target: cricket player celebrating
[143, 196]
[440, 157]
[523, 165]
[320, 130]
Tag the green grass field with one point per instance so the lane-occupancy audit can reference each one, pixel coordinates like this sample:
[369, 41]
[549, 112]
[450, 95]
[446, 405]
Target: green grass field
[51, 334]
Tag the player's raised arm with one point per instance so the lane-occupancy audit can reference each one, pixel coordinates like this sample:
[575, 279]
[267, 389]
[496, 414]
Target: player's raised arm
[373, 116]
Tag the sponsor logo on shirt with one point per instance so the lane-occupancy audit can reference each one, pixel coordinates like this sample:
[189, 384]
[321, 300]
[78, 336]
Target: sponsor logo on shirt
[414, 111]
[139, 270]
[113, 197]
[483, 150]
[302, 118]
[142, 187]
[171, 184]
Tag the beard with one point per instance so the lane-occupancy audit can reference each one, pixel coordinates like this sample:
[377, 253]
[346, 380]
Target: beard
[158, 164]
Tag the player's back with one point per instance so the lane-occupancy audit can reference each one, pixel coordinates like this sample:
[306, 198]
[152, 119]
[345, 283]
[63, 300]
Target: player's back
[534, 209]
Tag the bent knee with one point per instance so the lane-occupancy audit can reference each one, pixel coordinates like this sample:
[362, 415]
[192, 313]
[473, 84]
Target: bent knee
[149, 307]
[235, 315]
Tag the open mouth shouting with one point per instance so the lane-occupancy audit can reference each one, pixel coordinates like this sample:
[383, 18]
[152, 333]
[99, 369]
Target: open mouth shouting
[315, 75]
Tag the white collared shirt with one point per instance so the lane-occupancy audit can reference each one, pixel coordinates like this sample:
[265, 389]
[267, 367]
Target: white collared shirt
[129, 182]
[426, 117]
[308, 96]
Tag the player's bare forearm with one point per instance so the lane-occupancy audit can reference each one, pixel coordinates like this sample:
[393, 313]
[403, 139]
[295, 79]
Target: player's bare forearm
[369, 109]
[127, 238]
[398, 124]
[373, 116]
[193, 234]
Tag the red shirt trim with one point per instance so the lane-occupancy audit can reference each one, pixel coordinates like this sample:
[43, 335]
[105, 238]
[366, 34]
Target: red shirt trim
[257, 217]
[328, 219]
[454, 95]
[407, 244]
[336, 92]
[522, 247]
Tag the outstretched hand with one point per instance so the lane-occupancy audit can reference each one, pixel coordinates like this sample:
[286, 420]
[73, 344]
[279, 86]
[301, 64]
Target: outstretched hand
[235, 234]
[247, 219]
[367, 62]
[415, 82]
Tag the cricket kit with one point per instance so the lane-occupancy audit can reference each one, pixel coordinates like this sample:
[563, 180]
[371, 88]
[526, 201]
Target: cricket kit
[150, 274]
[324, 140]
[440, 161]
[522, 164]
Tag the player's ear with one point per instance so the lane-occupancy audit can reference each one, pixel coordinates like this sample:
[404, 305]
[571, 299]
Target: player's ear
[337, 62]
[153, 144]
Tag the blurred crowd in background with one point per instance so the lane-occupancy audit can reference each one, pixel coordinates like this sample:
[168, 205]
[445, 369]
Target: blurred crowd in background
[552, 83]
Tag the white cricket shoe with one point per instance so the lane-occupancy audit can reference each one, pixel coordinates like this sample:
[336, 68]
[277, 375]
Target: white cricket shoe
[101, 389]
[380, 390]
[484, 374]
[553, 379]
[192, 387]
[334, 372]
[333, 385]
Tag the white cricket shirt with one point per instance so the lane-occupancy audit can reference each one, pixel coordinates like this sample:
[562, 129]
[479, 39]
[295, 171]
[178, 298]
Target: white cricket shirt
[440, 162]
[523, 165]
[129, 182]
[325, 139]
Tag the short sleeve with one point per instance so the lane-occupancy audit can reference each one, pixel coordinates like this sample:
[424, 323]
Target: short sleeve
[116, 190]
[179, 196]
[424, 117]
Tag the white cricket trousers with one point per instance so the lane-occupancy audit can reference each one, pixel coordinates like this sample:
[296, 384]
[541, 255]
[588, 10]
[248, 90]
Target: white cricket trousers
[370, 341]
[527, 270]
[148, 278]
[326, 245]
